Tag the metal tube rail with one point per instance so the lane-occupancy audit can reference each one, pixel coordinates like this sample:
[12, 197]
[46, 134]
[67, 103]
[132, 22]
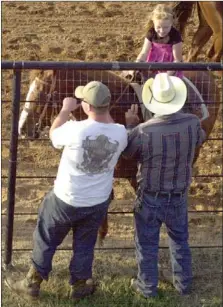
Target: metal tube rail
[127, 177]
[12, 167]
[121, 212]
[48, 140]
[118, 248]
[115, 65]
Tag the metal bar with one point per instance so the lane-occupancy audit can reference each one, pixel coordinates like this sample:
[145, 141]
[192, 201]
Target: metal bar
[12, 166]
[115, 65]
[117, 248]
[125, 103]
[122, 212]
[47, 140]
[127, 177]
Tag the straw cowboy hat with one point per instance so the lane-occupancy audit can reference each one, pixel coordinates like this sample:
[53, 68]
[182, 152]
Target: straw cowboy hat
[164, 95]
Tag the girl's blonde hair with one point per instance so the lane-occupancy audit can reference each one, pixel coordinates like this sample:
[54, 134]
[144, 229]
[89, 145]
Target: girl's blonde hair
[161, 11]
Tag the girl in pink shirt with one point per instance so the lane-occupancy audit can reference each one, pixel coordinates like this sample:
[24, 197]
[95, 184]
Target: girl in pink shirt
[163, 43]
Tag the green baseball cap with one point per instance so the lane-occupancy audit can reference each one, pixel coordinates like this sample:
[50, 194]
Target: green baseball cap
[94, 93]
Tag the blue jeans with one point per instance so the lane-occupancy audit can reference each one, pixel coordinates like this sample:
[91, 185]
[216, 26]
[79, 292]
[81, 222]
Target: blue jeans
[151, 210]
[55, 220]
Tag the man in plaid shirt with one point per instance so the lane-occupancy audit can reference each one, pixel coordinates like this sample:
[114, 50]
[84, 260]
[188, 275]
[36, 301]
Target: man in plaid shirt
[164, 147]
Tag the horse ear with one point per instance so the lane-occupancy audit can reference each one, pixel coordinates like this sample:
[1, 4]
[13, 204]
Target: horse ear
[33, 74]
[49, 74]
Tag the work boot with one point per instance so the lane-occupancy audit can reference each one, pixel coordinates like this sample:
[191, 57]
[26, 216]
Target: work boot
[29, 286]
[82, 288]
[166, 276]
[135, 288]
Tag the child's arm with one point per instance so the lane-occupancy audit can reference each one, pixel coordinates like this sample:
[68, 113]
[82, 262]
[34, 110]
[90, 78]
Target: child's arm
[177, 52]
[177, 55]
[142, 55]
[144, 52]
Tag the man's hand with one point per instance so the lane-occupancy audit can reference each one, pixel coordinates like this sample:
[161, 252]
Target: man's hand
[70, 104]
[131, 116]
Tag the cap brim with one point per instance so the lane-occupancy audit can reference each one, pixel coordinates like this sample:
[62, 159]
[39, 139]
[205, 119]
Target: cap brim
[165, 108]
[79, 92]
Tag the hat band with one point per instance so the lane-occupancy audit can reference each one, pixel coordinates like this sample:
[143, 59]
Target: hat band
[159, 100]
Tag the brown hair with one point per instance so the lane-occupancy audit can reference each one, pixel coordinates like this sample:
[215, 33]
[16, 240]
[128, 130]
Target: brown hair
[161, 11]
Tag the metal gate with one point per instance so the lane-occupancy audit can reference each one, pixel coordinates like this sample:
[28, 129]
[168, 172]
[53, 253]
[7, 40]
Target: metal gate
[18, 69]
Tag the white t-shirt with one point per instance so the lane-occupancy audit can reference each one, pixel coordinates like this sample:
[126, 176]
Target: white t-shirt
[91, 151]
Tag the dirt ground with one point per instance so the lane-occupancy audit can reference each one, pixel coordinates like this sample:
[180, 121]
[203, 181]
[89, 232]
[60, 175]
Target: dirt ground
[75, 30]
[91, 31]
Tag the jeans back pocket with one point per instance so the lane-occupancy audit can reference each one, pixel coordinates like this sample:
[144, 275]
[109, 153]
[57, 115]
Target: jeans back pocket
[178, 210]
[147, 209]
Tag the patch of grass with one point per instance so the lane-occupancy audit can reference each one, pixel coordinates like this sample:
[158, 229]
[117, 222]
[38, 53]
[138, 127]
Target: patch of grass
[112, 293]
[113, 272]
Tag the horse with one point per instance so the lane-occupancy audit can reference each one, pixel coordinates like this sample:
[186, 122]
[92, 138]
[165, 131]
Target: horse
[210, 16]
[49, 88]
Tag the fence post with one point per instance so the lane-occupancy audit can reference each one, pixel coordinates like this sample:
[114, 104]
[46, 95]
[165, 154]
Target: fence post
[12, 166]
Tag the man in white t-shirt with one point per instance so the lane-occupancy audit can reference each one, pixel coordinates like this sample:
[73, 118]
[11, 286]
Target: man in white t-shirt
[81, 193]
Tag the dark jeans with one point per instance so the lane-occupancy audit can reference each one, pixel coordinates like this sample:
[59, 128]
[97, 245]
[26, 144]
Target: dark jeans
[150, 212]
[55, 220]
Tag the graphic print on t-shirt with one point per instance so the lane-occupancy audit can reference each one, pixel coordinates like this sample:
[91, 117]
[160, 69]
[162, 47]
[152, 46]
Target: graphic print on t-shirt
[98, 152]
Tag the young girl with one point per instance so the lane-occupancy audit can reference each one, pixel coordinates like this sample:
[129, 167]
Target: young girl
[163, 43]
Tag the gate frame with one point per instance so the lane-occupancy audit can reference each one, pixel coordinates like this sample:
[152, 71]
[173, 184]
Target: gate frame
[18, 66]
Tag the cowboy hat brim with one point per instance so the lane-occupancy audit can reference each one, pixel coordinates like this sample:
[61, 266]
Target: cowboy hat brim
[165, 108]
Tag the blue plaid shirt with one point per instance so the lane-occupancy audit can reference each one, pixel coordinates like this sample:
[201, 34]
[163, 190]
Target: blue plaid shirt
[164, 148]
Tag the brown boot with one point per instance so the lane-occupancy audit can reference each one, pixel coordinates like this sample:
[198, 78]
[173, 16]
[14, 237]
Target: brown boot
[166, 275]
[29, 286]
[82, 288]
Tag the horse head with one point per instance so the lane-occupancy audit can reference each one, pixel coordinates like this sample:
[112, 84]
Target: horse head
[48, 89]
[41, 91]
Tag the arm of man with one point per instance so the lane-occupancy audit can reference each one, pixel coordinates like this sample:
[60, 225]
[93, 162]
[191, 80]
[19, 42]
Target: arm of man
[61, 119]
[59, 134]
[134, 144]
[134, 137]
[201, 135]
